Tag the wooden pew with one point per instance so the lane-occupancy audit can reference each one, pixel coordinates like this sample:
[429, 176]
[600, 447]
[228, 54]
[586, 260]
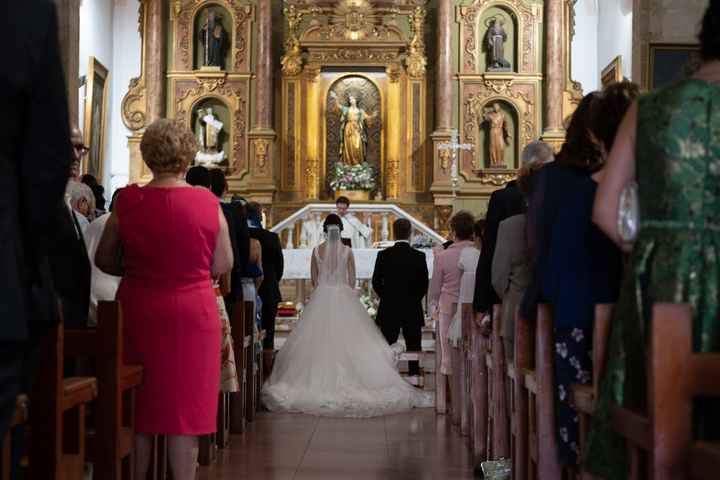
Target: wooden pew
[548, 465]
[479, 385]
[251, 393]
[522, 363]
[111, 448]
[57, 415]
[498, 403]
[465, 380]
[241, 342]
[20, 417]
[704, 460]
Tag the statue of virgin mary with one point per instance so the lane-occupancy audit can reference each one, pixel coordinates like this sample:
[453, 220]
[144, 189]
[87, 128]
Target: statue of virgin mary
[353, 130]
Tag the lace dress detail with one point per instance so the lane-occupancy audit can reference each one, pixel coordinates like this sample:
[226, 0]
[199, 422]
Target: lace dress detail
[336, 362]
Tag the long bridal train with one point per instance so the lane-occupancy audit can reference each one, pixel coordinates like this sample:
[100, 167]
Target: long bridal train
[336, 362]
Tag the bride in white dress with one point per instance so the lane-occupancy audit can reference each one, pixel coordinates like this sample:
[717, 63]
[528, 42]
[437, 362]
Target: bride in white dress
[336, 362]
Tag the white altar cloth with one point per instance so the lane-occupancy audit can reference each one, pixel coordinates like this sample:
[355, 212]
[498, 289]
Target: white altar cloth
[297, 263]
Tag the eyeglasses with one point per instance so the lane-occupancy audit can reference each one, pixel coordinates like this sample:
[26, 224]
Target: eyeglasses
[81, 149]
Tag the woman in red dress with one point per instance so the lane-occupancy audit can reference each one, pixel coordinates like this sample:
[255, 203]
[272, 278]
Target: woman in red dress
[167, 240]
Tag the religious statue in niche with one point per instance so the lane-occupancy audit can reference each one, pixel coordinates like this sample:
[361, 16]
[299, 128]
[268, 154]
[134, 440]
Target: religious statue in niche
[498, 133]
[353, 130]
[215, 41]
[495, 39]
[208, 135]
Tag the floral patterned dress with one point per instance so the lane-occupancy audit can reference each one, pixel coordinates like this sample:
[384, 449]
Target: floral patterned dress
[675, 258]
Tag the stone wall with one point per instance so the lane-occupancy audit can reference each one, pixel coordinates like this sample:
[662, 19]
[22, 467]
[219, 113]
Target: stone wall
[669, 21]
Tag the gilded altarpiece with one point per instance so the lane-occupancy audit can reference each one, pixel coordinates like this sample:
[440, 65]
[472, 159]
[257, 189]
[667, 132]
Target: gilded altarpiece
[193, 81]
[376, 54]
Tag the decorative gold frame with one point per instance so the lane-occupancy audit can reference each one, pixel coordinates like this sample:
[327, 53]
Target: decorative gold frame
[653, 47]
[612, 73]
[96, 70]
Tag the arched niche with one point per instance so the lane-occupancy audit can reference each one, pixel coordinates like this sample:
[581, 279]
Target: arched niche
[200, 34]
[511, 152]
[369, 99]
[221, 112]
[507, 17]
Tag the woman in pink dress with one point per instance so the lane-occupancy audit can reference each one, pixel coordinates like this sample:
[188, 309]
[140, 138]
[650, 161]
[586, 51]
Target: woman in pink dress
[445, 291]
[167, 240]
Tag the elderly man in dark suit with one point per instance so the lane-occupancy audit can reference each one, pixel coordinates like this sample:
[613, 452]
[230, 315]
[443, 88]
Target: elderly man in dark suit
[504, 203]
[273, 264]
[401, 281]
[35, 156]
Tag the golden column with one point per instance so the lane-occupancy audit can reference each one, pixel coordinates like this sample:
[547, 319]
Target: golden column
[554, 133]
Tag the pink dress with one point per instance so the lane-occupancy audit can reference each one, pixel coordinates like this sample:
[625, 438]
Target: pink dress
[444, 292]
[171, 317]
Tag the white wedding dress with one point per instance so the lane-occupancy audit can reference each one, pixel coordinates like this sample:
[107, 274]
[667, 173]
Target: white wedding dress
[336, 362]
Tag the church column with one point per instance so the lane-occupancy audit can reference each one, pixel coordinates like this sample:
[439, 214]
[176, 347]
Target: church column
[262, 136]
[68, 12]
[156, 60]
[554, 133]
[444, 74]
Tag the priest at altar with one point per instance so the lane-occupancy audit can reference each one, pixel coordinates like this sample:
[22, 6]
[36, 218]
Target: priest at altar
[359, 234]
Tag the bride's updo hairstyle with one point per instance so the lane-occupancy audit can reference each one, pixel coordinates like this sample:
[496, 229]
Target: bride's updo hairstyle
[330, 220]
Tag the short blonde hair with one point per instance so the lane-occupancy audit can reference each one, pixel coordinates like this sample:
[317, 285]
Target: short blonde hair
[168, 147]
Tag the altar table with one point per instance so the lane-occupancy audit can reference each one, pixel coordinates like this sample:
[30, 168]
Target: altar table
[297, 263]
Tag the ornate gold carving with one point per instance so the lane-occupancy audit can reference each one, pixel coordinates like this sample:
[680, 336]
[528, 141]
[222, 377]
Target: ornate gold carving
[444, 156]
[311, 175]
[503, 89]
[527, 19]
[353, 20]
[313, 71]
[416, 61]
[185, 34]
[393, 72]
[261, 153]
[349, 55]
[497, 179]
[292, 60]
[134, 105]
[177, 8]
[188, 94]
[442, 218]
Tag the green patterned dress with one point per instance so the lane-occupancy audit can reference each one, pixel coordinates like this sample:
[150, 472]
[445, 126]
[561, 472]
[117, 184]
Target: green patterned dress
[674, 260]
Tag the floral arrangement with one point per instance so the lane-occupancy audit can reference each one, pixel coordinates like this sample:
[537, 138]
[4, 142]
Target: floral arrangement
[371, 305]
[353, 177]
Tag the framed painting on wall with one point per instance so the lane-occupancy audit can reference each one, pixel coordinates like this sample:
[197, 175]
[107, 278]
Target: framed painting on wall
[612, 73]
[96, 99]
[671, 62]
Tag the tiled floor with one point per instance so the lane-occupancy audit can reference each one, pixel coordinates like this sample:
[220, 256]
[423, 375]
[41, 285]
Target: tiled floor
[414, 446]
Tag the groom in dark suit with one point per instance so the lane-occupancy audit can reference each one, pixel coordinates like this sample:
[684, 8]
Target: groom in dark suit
[401, 281]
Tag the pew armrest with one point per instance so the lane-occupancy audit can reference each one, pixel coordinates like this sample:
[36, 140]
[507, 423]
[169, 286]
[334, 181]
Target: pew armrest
[632, 426]
[78, 390]
[584, 397]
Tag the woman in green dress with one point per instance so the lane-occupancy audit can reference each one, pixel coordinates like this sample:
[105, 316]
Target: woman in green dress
[669, 143]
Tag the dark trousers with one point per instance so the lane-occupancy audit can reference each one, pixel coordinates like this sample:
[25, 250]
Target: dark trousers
[267, 315]
[18, 364]
[413, 341]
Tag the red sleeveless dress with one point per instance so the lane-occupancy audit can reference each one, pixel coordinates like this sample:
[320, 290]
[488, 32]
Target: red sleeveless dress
[171, 318]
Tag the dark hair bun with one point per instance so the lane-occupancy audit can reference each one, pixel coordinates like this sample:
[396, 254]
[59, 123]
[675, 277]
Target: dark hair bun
[710, 34]
[330, 220]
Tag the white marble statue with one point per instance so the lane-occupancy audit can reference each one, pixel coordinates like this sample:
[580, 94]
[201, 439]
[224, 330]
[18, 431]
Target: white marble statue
[311, 232]
[209, 129]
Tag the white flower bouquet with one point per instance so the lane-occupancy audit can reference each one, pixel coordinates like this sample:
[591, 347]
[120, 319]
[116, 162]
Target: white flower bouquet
[371, 305]
[353, 177]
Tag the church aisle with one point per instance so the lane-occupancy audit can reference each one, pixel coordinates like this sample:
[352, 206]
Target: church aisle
[416, 445]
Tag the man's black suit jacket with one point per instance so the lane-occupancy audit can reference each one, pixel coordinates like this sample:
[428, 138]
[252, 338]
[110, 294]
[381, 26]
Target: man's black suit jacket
[401, 281]
[35, 156]
[273, 264]
[504, 203]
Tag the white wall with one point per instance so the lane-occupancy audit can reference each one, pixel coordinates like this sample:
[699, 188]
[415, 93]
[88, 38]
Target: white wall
[96, 20]
[109, 32]
[584, 53]
[615, 34]
[126, 60]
